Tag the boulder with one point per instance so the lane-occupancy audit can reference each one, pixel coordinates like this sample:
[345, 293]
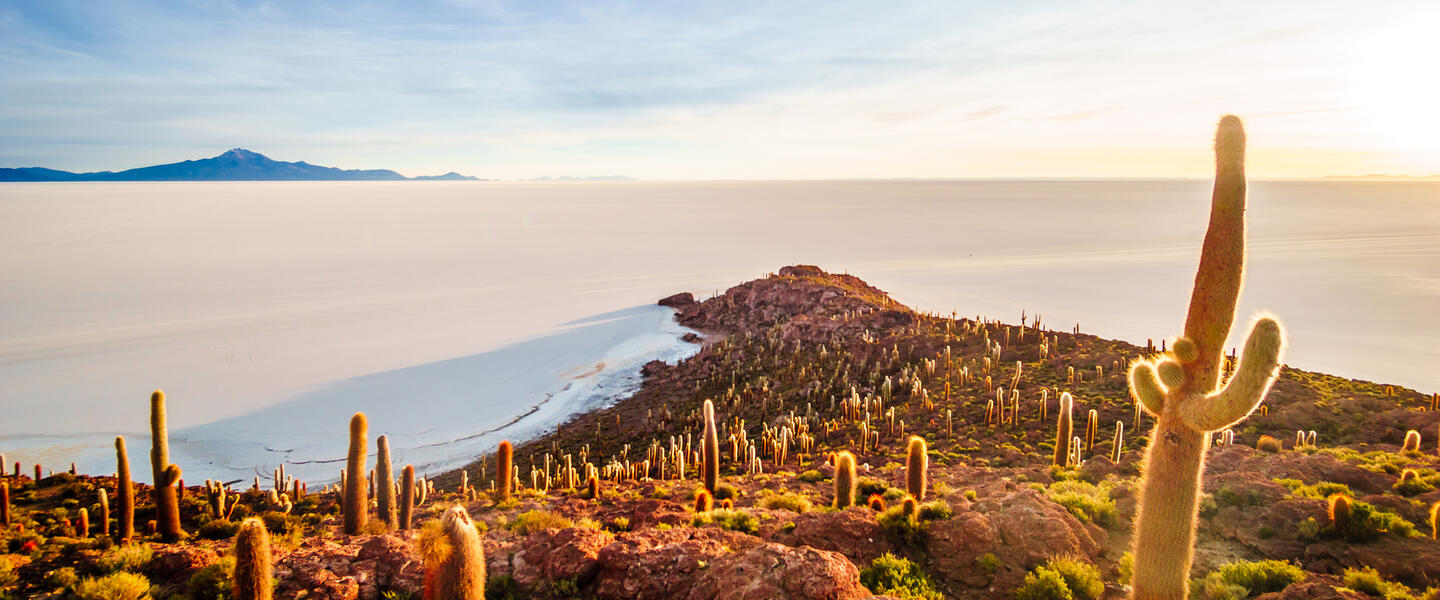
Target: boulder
[777, 572]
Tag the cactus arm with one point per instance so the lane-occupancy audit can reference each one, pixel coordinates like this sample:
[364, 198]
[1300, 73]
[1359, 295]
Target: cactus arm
[1146, 388]
[1256, 372]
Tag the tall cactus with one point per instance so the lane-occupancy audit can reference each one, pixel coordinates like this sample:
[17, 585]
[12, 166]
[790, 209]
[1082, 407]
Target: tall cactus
[124, 493]
[916, 462]
[454, 560]
[1180, 387]
[166, 497]
[357, 502]
[844, 480]
[251, 579]
[407, 496]
[710, 449]
[384, 483]
[504, 471]
[1064, 428]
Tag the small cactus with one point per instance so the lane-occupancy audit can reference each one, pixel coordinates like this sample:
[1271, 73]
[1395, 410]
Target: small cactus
[504, 471]
[1434, 520]
[454, 560]
[251, 579]
[844, 480]
[592, 487]
[1338, 510]
[103, 496]
[710, 448]
[83, 523]
[384, 483]
[910, 508]
[1412, 441]
[876, 503]
[1063, 430]
[704, 502]
[5, 503]
[916, 463]
[357, 502]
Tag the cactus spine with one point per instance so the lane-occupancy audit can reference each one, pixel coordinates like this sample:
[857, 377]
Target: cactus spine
[1064, 428]
[504, 471]
[407, 496]
[357, 503]
[1179, 389]
[124, 492]
[455, 562]
[384, 483]
[166, 497]
[916, 462]
[710, 449]
[844, 480]
[251, 580]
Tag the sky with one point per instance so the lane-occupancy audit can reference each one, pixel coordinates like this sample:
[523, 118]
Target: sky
[725, 90]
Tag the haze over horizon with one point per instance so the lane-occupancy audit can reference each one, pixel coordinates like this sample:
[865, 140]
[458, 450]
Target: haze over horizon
[735, 91]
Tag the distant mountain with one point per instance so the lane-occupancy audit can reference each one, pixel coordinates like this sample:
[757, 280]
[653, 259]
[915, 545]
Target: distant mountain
[238, 164]
[451, 176]
[595, 178]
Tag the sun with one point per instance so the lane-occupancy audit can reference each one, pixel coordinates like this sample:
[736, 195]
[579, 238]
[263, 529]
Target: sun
[1395, 88]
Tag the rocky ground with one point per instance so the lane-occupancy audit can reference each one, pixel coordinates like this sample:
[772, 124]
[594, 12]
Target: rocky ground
[797, 352]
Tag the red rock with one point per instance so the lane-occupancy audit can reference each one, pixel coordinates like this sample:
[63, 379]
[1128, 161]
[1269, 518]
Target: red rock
[659, 565]
[571, 553]
[776, 572]
[852, 532]
[1021, 528]
[679, 300]
[177, 563]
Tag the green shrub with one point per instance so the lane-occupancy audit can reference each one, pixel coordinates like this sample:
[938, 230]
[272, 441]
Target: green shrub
[811, 476]
[790, 501]
[59, 579]
[898, 577]
[869, 486]
[219, 529]
[1252, 579]
[725, 490]
[1367, 523]
[538, 520]
[1414, 487]
[727, 518]
[988, 562]
[1089, 502]
[935, 510]
[132, 557]
[213, 581]
[1321, 490]
[503, 587]
[1044, 584]
[1081, 577]
[115, 586]
[1369, 581]
[1126, 567]
[900, 527]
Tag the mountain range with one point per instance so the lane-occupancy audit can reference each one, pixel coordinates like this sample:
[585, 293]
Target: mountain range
[237, 164]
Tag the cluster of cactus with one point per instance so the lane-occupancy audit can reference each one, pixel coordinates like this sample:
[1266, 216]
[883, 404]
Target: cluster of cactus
[1179, 389]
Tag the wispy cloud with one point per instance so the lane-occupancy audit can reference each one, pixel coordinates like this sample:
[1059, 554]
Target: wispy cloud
[735, 89]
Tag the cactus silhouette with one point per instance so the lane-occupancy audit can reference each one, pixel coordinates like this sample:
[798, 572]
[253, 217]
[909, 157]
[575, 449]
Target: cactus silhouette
[166, 497]
[357, 502]
[454, 560]
[1063, 430]
[844, 480]
[504, 471]
[710, 449]
[384, 483]
[916, 463]
[124, 492]
[1179, 388]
